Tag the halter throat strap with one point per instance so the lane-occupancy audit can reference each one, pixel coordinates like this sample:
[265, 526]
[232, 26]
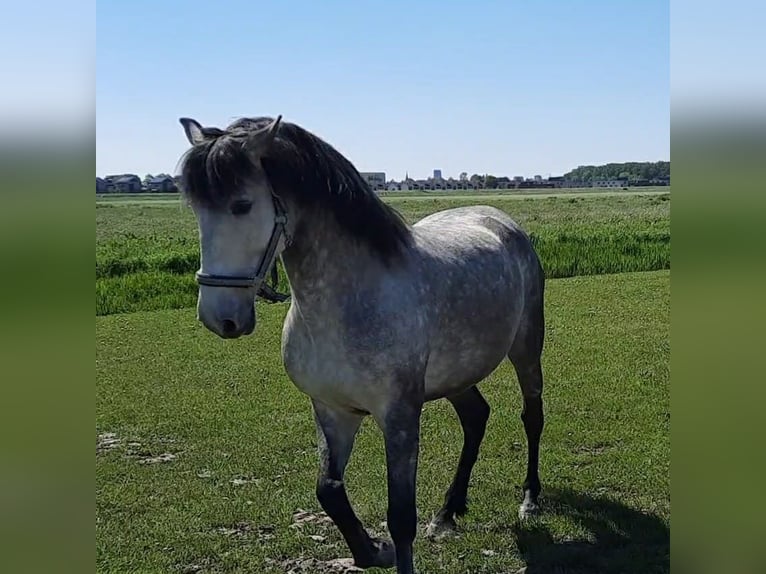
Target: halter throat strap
[253, 281]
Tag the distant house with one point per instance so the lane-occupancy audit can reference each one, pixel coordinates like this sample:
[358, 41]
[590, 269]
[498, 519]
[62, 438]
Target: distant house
[101, 185]
[557, 180]
[110, 179]
[126, 183]
[161, 183]
[610, 183]
[375, 179]
[423, 184]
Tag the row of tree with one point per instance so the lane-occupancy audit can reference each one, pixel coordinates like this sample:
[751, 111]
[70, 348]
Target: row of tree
[632, 171]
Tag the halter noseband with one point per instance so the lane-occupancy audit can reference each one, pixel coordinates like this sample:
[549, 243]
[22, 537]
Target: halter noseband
[247, 282]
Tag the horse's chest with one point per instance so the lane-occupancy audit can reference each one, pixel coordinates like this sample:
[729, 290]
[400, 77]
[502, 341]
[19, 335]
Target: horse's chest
[319, 365]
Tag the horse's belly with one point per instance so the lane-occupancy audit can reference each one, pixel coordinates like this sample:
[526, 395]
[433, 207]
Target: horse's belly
[456, 366]
[342, 394]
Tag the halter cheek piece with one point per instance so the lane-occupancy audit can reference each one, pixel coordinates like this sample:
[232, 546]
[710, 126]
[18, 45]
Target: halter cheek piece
[254, 281]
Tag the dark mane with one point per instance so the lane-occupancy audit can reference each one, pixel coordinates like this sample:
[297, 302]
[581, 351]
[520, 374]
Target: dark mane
[299, 165]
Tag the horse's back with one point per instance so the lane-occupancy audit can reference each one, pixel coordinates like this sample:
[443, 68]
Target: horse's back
[478, 226]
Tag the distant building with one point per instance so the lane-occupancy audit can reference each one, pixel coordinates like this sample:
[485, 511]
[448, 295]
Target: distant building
[161, 183]
[610, 183]
[557, 180]
[375, 179]
[127, 183]
[101, 185]
[437, 174]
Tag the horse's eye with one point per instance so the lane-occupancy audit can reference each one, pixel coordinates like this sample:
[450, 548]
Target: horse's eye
[241, 207]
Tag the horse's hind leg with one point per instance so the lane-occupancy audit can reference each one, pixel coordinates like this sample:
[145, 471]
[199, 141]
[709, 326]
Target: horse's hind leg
[473, 412]
[336, 430]
[531, 380]
[525, 356]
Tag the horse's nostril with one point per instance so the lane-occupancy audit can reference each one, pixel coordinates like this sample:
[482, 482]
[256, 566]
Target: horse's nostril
[228, 326]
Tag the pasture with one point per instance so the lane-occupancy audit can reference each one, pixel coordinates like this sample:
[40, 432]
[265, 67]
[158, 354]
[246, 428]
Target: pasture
[213, 456]
[206, 452]
[147, 246]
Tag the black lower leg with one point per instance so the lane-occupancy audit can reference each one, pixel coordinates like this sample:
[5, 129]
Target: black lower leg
[531, 381]
[335, 432]
[473, 412]
[402, 435]
[367, 551]
[533, 419]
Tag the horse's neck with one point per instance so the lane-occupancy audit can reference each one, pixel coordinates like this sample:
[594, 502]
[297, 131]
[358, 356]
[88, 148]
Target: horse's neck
[322, 261]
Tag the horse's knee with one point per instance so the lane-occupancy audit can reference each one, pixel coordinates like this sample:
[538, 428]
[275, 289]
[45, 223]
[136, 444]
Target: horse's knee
[530, 380]
[328, 491]
[533, 409]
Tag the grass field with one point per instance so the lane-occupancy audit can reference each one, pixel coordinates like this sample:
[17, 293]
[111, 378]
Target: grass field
[147, 246]
[206, 450]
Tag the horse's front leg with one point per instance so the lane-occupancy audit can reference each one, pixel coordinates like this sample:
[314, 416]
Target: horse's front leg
[401, 430]
[336, 430]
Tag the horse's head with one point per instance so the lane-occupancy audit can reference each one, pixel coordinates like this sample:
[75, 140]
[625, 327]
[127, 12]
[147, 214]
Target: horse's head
[240, 221]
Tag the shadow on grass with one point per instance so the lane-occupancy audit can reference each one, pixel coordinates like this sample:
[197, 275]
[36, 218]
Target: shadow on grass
[620, 539]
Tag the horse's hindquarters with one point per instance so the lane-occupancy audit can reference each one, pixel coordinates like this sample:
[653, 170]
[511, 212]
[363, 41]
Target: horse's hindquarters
[477, 273]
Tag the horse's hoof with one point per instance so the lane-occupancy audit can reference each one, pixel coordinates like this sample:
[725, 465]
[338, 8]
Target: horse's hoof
[528, 509]
[440, 528]
[382, 555]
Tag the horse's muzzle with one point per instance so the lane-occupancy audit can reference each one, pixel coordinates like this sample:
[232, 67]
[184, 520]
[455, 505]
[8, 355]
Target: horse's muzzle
[231, 325]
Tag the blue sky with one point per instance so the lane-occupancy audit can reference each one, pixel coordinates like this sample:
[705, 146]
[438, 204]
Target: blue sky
[509, 88]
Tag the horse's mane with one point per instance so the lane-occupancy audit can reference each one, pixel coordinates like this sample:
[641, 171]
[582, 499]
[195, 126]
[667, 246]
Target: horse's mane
[299, 165]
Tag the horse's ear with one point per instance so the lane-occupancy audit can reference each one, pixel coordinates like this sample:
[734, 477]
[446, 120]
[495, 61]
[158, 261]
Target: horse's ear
[193, 129]
[259, 142]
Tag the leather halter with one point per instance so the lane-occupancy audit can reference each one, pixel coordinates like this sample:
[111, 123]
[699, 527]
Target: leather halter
[253, 281]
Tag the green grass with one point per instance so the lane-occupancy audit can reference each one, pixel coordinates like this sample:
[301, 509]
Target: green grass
[228, 411]
[147, 249]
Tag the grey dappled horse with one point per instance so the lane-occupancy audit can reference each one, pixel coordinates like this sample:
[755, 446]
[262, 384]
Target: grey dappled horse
[384, 316]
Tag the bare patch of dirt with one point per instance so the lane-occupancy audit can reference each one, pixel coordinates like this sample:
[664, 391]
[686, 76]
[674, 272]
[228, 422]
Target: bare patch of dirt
[107, 441]
[164, 457]
[242, 481]
[202, 564]
[305, 565]
[594, 449]
[243, 529]
[302, 517]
